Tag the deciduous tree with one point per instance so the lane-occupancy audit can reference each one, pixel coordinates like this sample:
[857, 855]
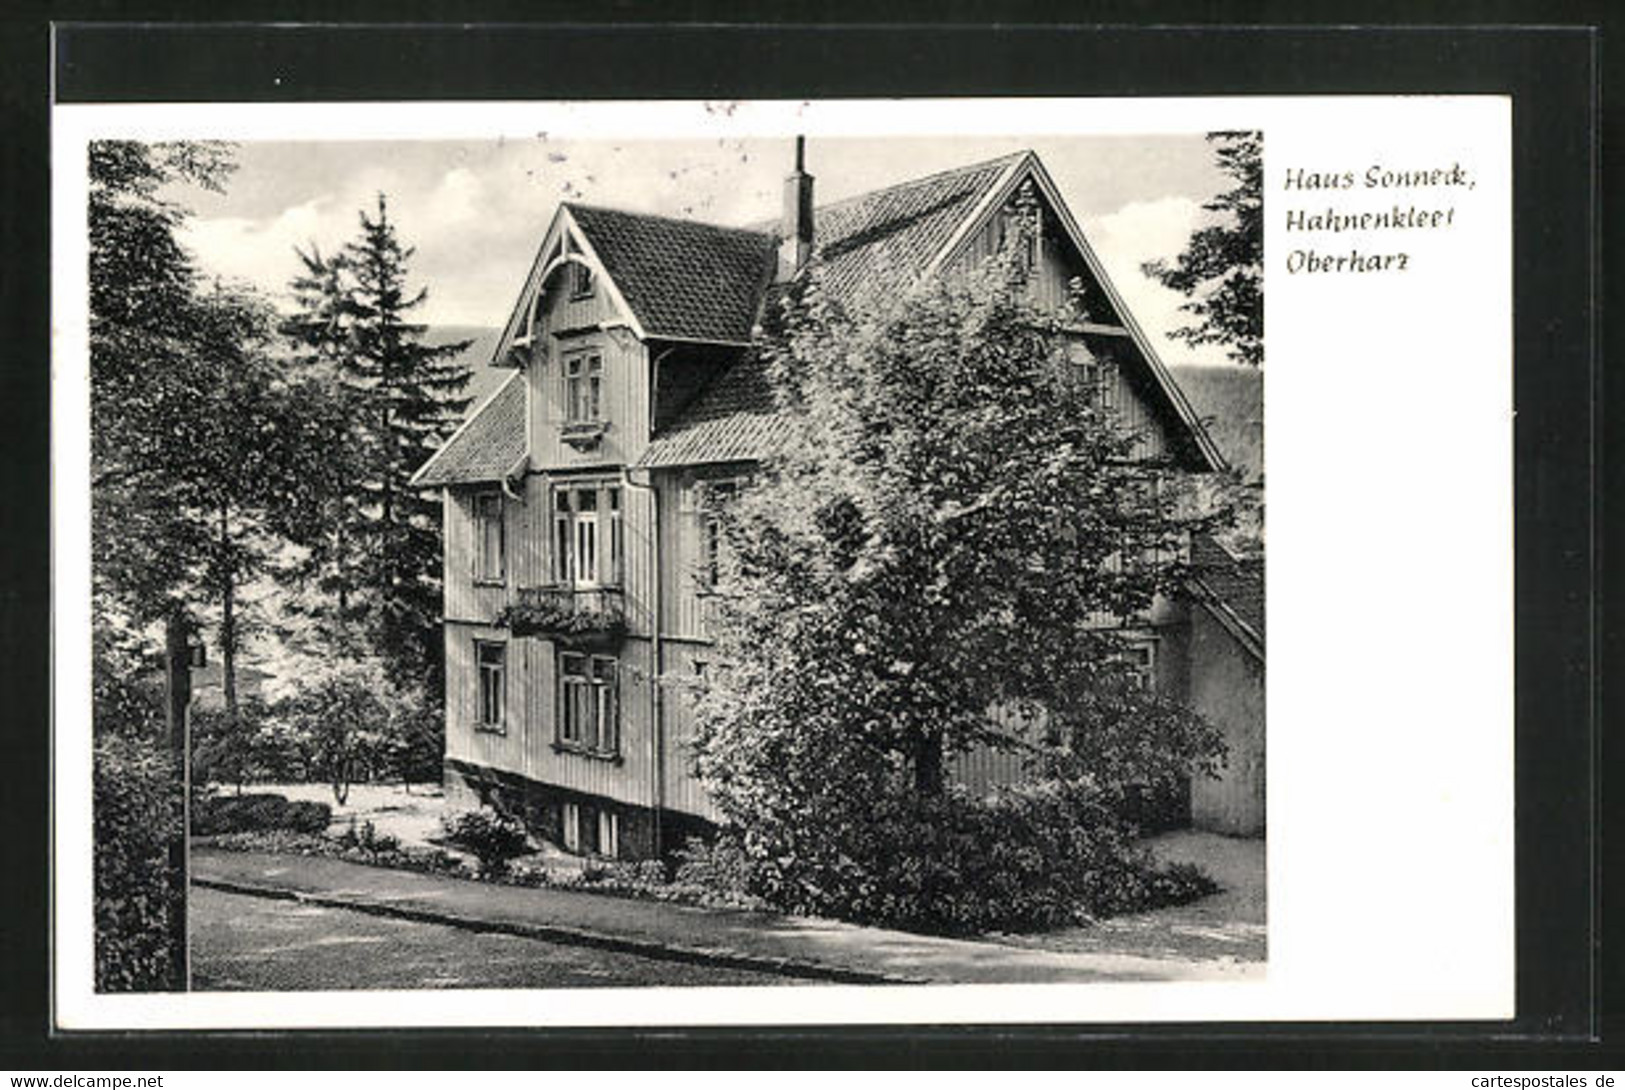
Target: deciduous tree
[933, 561]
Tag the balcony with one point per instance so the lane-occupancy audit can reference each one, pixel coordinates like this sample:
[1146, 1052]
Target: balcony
[583, 615]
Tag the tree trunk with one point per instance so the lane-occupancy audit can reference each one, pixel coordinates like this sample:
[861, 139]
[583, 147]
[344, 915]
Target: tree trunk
[928, 763]
[228, 648]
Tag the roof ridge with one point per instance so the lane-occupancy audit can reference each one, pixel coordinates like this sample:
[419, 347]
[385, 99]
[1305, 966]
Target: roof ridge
[923, 179]
[573, 205]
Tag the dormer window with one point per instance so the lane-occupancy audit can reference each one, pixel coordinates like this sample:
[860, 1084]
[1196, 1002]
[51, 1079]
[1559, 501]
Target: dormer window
[584, 388]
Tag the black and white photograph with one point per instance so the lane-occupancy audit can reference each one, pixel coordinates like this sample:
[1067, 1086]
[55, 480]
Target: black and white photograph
[567, 563]
[664, 562]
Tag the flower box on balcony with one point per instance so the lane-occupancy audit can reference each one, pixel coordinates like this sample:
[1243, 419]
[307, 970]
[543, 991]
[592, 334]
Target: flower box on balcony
[575, 614]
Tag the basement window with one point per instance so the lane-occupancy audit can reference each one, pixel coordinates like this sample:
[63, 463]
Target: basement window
[590, 830]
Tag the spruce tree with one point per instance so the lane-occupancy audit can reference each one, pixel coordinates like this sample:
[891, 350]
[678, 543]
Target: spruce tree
[374, 543]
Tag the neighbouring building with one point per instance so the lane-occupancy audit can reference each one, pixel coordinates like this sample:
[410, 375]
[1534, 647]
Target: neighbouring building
[572, 492]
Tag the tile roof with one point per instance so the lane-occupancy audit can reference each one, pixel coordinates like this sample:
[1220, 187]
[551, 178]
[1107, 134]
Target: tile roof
[488, 445]
[872, 239]
[682, 279]
[735, 420]
[894, 232]
[1236, 584]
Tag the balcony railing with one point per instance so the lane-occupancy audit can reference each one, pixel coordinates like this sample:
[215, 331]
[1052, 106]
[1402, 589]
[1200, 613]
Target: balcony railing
[582, 614]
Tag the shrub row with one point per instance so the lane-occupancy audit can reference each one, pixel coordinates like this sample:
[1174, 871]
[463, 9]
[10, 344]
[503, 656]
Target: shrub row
[218, 814]
[1024, 859]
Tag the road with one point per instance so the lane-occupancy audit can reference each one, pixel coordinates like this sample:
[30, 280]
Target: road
[242, 942]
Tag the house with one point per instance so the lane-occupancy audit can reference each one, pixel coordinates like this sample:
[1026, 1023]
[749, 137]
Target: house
[575, 545]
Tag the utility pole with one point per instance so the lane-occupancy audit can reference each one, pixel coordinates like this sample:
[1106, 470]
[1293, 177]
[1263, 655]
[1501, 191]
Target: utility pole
[177, 709]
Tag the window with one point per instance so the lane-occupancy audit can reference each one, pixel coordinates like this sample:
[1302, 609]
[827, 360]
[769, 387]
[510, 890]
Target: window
[489, 538]
[593, 830]
[589, 703]
[584, 388]
[580, 280]
[490, 659]
[1140, 660]
[587, 535]
[1100, 379]
[570, 819]
[609, 834]
[716, 496]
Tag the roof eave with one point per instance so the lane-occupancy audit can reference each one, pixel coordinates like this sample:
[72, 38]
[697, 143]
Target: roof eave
[417, 479]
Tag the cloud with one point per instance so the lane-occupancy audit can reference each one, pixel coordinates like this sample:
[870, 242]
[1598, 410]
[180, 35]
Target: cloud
[259, 252]
[1144, 231]
[457, 199]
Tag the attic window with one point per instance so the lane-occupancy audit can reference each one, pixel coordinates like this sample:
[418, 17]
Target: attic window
[581, 280]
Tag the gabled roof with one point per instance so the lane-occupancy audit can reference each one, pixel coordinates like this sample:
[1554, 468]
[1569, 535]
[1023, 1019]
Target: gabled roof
[1233, 590]
[689, 281]
[490, 446]
[683, 280]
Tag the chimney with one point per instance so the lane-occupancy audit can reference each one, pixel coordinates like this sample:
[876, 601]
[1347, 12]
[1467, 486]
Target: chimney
[796, 228]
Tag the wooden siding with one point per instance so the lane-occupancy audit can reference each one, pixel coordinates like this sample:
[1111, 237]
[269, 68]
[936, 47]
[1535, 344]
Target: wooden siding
[464, 741]
[565, 326]
[984, 768]
[526, 745]
[681, 788]
[1227, 687]
[684, 607]
[1058, 264]
[467, 599]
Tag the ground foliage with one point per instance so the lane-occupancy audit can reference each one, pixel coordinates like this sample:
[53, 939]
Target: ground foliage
[494, 838]
[917, 575]
[136, 813]
[1222, 266]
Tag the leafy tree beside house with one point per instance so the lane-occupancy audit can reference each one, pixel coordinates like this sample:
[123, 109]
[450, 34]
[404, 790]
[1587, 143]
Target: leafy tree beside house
[1222, 266]
[374, 550]
[926, 565]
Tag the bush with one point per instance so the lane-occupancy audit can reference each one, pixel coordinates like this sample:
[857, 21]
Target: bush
[494, 838]
[136, 815]
[369, 839]
[1023, 859]
[258, 813]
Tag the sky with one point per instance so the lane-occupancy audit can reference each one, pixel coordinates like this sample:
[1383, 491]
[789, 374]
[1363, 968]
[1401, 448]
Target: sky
[476, 210]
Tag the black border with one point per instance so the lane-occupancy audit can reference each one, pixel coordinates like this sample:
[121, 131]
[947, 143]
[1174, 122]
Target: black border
[1551, 73]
